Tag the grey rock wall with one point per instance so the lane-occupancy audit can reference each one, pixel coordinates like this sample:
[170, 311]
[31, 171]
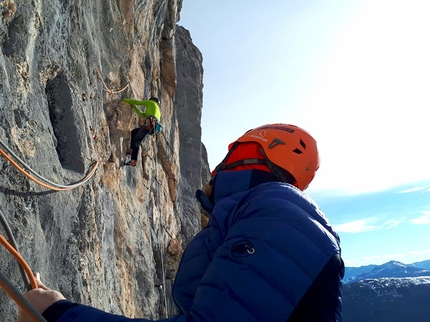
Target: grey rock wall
[188, 98]
[114, 242]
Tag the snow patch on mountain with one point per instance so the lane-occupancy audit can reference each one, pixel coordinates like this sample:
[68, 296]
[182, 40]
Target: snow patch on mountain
[391, 269]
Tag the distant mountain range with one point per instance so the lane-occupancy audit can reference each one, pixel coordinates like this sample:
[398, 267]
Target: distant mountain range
[392, 292]
[390, 269]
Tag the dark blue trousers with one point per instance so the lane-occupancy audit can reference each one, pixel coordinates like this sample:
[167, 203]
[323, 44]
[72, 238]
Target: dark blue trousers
[137, 135]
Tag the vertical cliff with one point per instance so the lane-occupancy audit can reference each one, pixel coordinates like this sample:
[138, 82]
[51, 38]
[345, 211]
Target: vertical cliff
[114, 241]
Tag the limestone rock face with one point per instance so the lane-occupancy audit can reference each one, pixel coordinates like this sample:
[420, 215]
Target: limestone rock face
[115, 241]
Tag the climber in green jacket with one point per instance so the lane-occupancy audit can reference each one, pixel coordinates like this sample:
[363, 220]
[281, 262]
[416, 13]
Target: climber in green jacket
[151, 116]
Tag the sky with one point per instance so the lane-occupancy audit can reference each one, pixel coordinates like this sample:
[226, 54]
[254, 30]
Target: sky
[356, 75]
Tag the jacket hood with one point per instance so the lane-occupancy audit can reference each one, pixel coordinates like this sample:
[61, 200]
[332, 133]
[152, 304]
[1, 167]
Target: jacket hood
[227, 183]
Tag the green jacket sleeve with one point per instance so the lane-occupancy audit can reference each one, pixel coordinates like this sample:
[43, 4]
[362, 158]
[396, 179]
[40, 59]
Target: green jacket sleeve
[152, 109]
[139, 112]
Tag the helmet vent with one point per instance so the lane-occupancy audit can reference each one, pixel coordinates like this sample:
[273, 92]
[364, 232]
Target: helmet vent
[275, 142]
[303, 144]
[297, 151]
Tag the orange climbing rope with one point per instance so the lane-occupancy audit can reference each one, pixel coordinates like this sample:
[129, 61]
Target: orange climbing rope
[4, 154]
[20, 260]
[109, 90]
[12, 292]
[17, 300]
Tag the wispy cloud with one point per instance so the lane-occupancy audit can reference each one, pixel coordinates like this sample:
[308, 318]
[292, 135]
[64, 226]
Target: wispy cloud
[406, 258]
[319, 191]
[422, 189]
[422, 220]
[390, 224]
[367, 224]
[356, 226]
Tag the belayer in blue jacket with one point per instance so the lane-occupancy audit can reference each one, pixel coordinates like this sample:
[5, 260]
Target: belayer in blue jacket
[268, 252]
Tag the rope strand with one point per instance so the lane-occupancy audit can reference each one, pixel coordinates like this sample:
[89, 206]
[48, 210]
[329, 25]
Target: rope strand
[109, 90]
[20, 300]
[20, 260]
[55, 187]
[12, 241]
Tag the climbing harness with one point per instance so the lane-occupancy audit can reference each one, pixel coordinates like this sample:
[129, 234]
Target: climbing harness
[151, 124]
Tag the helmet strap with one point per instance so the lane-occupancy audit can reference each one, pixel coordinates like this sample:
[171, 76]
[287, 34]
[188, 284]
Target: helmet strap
[223, 166]
[282, 174]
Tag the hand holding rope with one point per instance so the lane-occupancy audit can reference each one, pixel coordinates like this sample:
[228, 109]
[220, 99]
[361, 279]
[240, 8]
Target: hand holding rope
[12, 292]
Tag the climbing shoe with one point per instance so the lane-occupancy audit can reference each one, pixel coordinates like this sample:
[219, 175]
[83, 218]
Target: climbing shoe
[129, 161]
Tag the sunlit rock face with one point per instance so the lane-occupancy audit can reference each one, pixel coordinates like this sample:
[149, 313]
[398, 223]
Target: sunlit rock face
[115, 241]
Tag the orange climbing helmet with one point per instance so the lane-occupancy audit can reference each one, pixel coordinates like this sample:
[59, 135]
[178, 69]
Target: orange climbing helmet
[287, 147]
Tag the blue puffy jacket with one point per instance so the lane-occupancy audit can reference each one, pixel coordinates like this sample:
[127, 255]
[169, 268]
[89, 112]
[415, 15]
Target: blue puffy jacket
[267, 254]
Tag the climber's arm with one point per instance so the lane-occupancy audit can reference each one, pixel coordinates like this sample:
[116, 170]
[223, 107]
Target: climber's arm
[139, 112]
[55, 308]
